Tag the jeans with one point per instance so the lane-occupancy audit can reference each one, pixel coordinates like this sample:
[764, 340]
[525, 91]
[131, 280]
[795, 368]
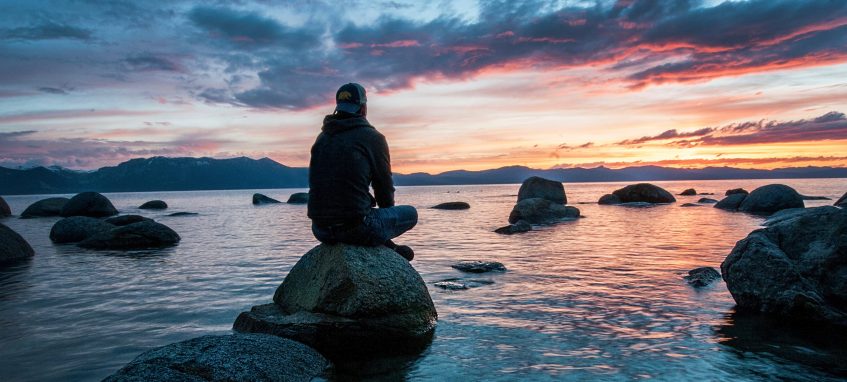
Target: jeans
[378, 226]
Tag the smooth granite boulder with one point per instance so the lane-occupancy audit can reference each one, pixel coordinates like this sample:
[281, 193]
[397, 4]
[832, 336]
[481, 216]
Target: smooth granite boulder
[141, 235]
[345, 300]
[519, 227]
[541, 211]
[90, 204]
[795, 268]
[259, 199]
[689, 192]
[154, 205]
[231, 358]
[537, 187]
[707, 201]
[77, 228]
[298, 198]
[609, 199]
[125, 220]
[452, 206]
[4, 208]
[771, 198]
[842, 202]
[703, 276]
[45, 208]
[13, 247]
[731, 202]
[735, 191]
[645, 193]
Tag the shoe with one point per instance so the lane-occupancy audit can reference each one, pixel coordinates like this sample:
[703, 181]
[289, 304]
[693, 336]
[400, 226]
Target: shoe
[402, 250]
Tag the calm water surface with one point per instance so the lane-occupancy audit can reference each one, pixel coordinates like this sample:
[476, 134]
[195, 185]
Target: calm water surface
[600, 298]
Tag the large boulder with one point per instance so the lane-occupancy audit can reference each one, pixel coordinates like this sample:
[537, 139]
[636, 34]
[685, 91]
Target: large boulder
[541, 211]
[645, 193]
[13, 247]
[259, 199]
[141, 235]
[771, 198]
[842, 202]
[90, 204]
[45, 208]
[736, 191]
[609, 199]
[795, 268]
[77, 228]
[343, 299]
[231, 358]
[4, 208]
[298, 198]
[452, 206]
[731, 202]
[154, 205]
[537, 187]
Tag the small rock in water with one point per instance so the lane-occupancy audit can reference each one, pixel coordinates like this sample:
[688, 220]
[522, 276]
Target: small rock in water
[154, 205]
[842, 202]
[45, 208]
[479, 266]
[141, 235]
[125, 220]
[183, 214]
[731, 202]
[13, 247]
[4, 208]
[298, 198]
[259, 199]
[700, 277]
[460, 284]
[609, 199]
[707, 200]
[690, 205]
[90, 204]
[452, 206]
[807, 197]
[735, 191]
[77, 228]
[689, 192]
[518, 227]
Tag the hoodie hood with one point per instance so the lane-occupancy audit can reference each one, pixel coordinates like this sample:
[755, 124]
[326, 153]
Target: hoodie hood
[336, 123]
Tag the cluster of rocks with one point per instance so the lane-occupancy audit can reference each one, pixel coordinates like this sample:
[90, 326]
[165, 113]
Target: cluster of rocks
[295, 198]
[764, 200]
[638, 193]
[540, 201]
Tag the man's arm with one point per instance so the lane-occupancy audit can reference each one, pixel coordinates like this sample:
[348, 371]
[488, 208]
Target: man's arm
[383, 184]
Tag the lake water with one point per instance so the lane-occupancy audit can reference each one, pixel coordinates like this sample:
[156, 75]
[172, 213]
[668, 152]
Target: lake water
[600, 298]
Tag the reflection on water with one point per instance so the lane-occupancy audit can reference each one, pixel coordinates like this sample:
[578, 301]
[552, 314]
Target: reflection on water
[598, 298]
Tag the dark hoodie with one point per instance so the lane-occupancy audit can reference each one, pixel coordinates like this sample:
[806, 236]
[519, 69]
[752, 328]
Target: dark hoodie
[348, 156]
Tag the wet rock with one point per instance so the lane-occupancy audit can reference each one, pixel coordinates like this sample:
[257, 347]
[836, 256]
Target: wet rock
[689, 192]
[537, 187]
[452, 206]
[141, 235]
[4, 208]
[842, 202]
[690, 205]
[707, 200]
[460, 284]
[183, 214]
[90, 204]
[735, 191]
[807, 197]
[541, 211]
[45, 208]
[477, 266]
[793, 268]
[154, 205]
[609, 199]
[645, 193]
[731, 202]
[230, 358]
[771, 198]
[77, 228]
[706, 193]
[344, 299]
[519, 227]
[259, 199]
[13, 247]
[298, 198]
[126, 220]
[703, 276]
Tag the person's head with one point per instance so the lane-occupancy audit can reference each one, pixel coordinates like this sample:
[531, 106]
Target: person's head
[351, 98]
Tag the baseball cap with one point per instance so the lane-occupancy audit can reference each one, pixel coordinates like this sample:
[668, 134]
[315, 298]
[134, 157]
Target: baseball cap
[350, 98]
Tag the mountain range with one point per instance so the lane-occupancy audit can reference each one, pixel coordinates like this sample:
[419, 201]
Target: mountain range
[182, 174]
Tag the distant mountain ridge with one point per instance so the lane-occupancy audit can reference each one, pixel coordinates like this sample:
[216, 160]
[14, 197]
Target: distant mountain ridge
[184, 174]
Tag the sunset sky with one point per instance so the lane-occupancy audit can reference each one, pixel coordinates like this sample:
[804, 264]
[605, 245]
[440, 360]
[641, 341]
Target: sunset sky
[452, 84]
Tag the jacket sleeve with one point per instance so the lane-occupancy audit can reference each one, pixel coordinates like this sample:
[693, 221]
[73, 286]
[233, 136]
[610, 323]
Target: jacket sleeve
[381, 180]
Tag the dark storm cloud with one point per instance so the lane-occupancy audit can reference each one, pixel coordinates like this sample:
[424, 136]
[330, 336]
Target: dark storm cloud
[669, 134]
[46, 31]
[249, 29]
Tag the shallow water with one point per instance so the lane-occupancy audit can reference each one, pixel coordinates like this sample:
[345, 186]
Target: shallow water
[598, 298]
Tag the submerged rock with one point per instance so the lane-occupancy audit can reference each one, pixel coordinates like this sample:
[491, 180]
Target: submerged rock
[691, 205]
[452, 206]
[230, 358]
[77, 228]
[298, 198]
[731, 202]
[609, 199]
[461, 284]
[45, 208]
[707, 200]
[808, 197]
[537, 187]
[4, 208]
[90, 204]
[259, 199]
[347, 300]
[689, 192]
[842, 202]
[126, 220]
[13, 247]
[477, 266]
[141, 235]
[519, 227]
[183, 214]
[154, 205]
[771, 198]
[645, 193]
[541, 211]
[703, 276]
[793, 268]
[735, 191]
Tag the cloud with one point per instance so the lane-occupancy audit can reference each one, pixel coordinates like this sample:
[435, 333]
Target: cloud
[669, 134]
[250, 29]
[146, 62]
[51, 90]
[46, 31]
